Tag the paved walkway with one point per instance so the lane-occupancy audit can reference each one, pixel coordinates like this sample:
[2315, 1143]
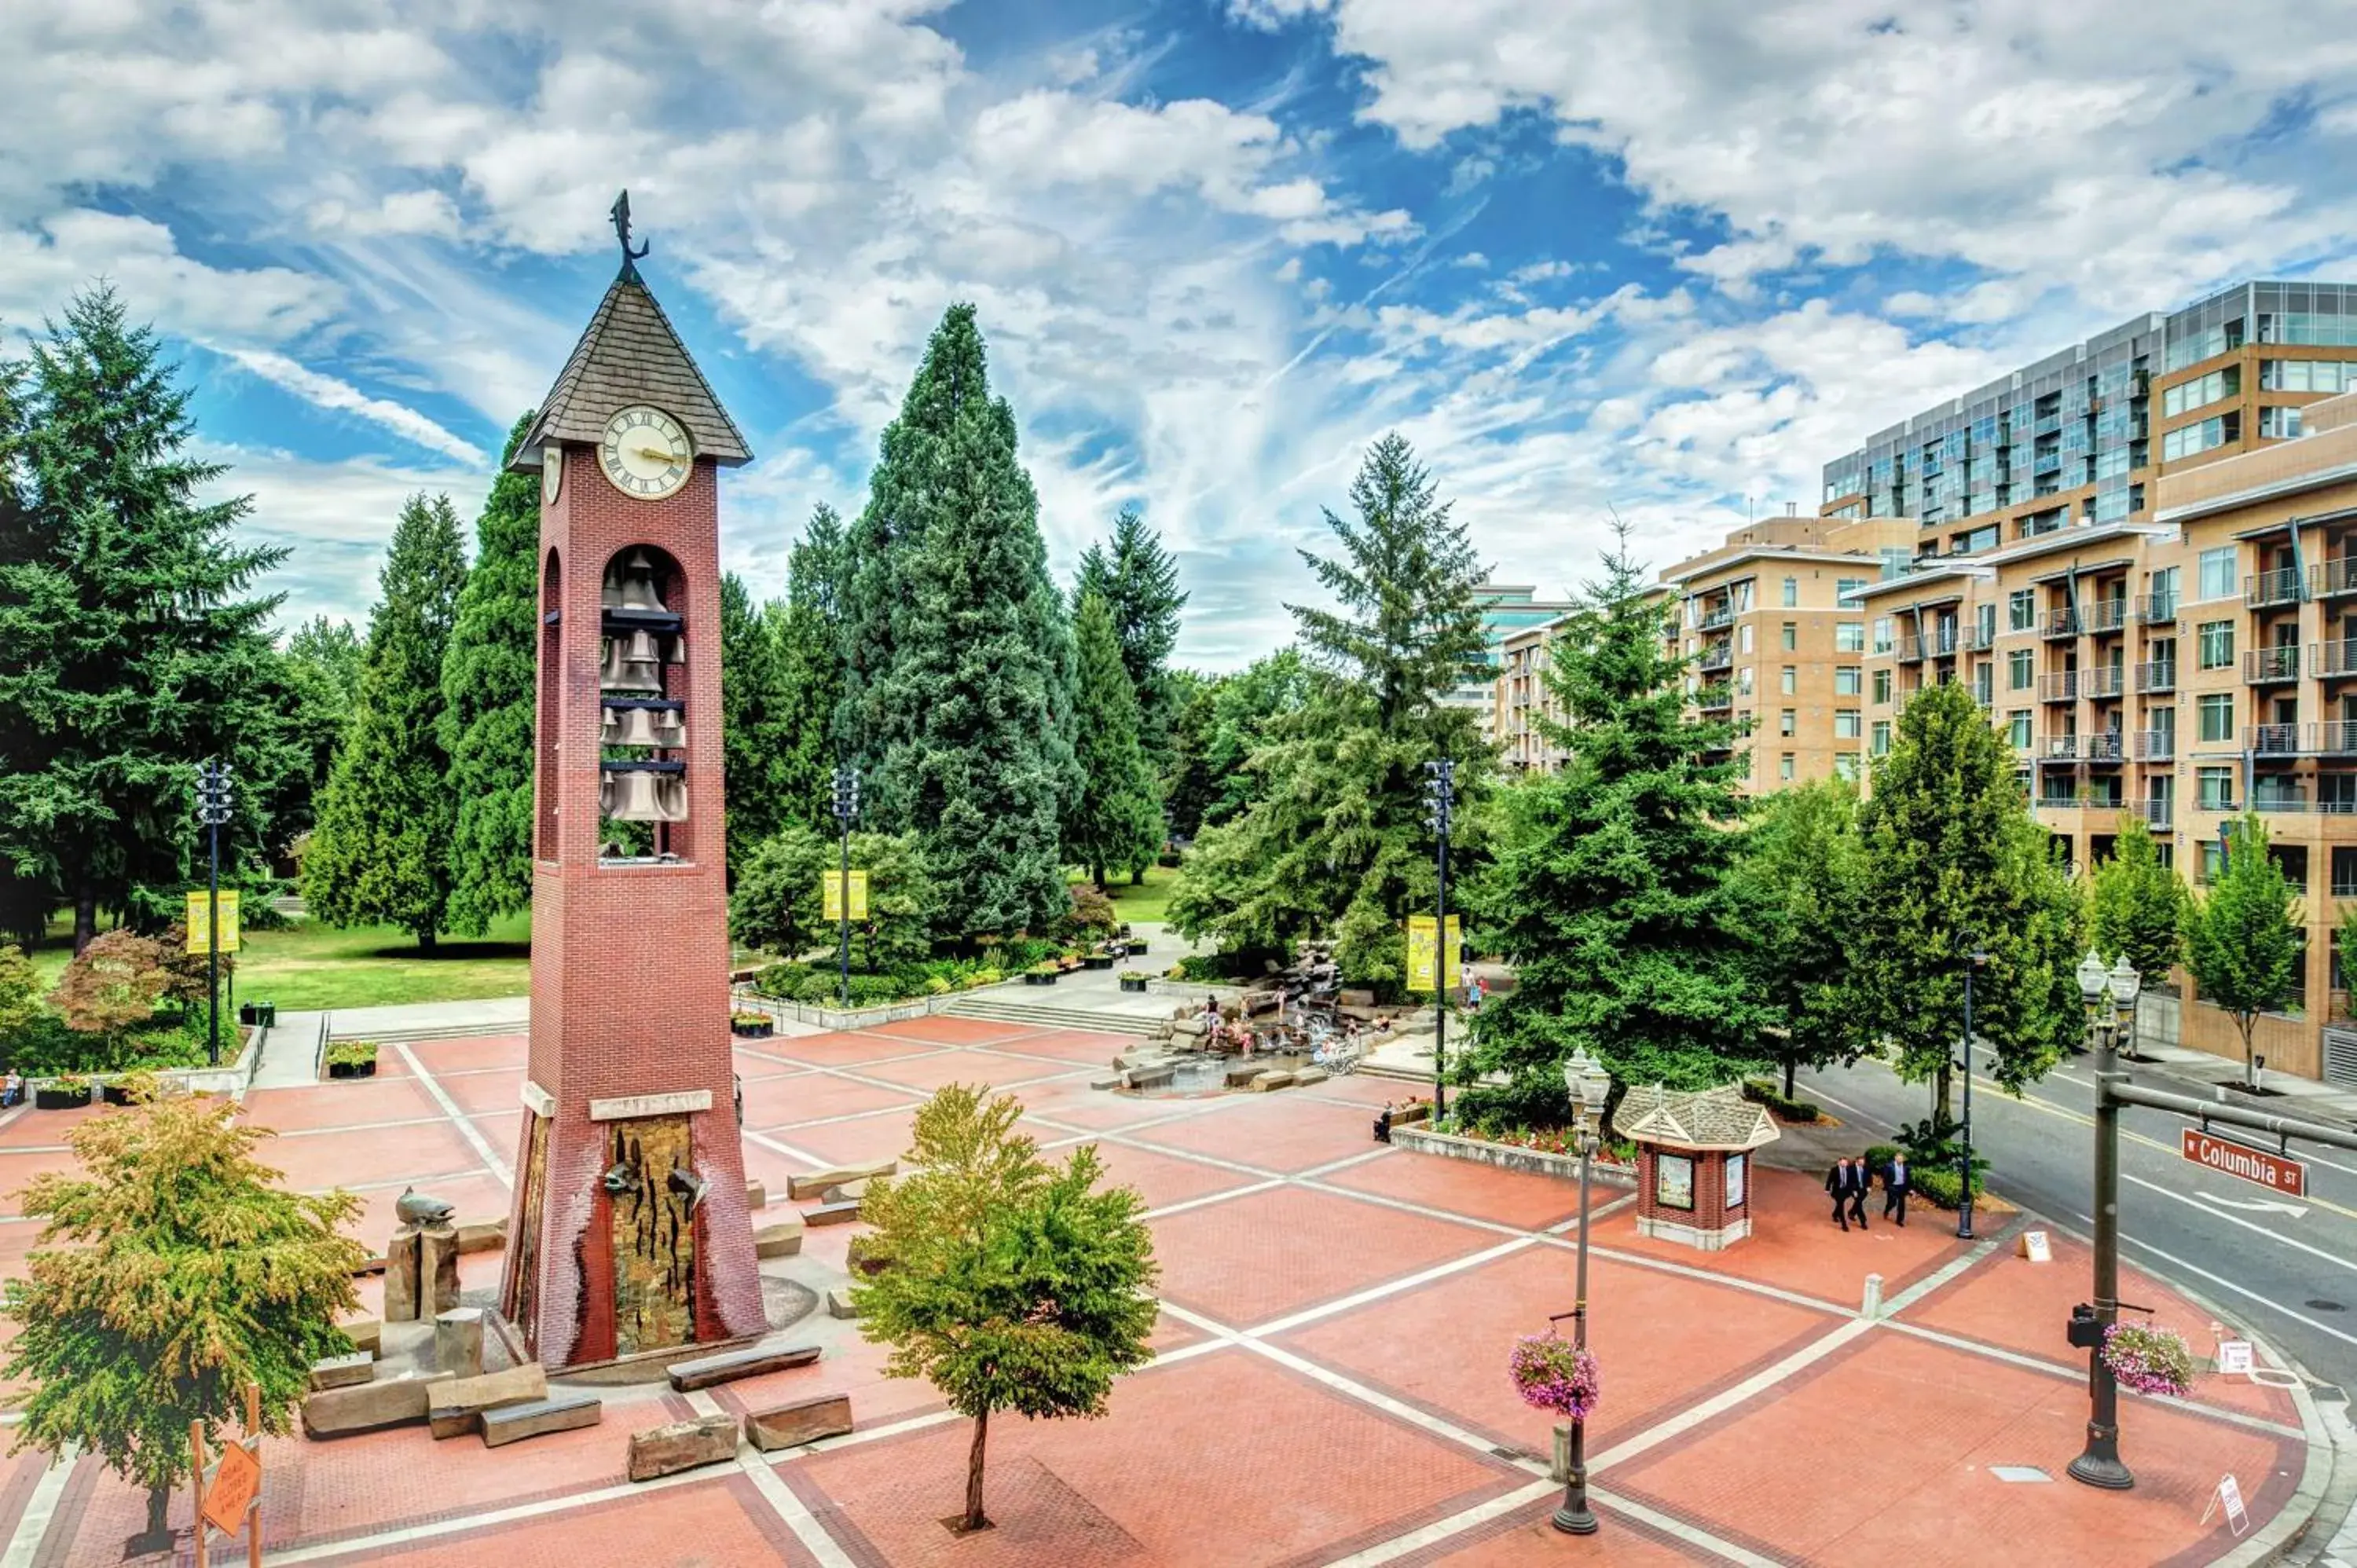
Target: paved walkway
[1329, 1386]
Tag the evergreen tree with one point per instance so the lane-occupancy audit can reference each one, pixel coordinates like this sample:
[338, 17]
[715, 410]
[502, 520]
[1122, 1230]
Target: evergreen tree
[753, 698]
[1139, 581]
[809, 636]
[1118, 826]
[968, 719]
[1955, 865]
[128, 651]
[1335, 842]
[2244, 941]
[489, 692]
[2136, 905]
[1797, 886]
[309, 687]
[1612, 892]
[381, 852]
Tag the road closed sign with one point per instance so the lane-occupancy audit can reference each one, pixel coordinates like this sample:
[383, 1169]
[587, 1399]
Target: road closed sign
[2274, 1172]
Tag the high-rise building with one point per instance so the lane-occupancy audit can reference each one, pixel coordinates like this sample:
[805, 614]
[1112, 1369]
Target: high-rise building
[1506, 609]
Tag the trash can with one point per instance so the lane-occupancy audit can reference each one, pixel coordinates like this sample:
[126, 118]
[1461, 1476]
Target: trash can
[266, 1014]
[247, 1012]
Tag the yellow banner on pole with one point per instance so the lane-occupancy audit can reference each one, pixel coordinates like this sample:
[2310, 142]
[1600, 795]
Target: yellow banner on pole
[830, 895]
[200, 923]
[1421, 953]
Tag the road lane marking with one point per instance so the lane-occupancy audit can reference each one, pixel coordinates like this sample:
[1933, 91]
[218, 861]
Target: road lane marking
[2172, 1192]
[2270, 1303]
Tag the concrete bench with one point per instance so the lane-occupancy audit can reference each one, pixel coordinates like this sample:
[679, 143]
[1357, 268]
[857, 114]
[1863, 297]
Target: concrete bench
[803, 1421]
[682, 1445]
[831, 1214]
[566, 1413]
[727, 1366]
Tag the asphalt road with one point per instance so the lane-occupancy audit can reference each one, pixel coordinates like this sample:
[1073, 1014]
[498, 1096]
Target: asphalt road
[2287, 1267]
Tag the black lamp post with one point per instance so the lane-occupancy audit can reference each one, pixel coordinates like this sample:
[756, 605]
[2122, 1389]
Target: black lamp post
[847, 808]
[1972, 963]
[1585, 1078]
[212, 811]
[1440, 794]
[2100, 1465]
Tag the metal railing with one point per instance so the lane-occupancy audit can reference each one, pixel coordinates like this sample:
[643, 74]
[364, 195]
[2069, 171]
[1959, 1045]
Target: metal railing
[1909, 650]
[2156, 675]
[2278, 587]
[2103, 615]
[1713, 619]
[2157, 609]
[2334, 737]
[1715, 699]
[2271, 740]
[2104, 745]
[2060, 686]
[2266, 801]
[2060, 748]
[2332, 658]
[2102, 680]
[2328, 578]
[2262, 665]
[2156, 744]
[2153, 813]
[2060, 623]
[1717, 656]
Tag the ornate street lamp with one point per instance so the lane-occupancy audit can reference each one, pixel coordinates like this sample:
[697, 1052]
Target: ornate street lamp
[2100, 1465]
[1585, 1078]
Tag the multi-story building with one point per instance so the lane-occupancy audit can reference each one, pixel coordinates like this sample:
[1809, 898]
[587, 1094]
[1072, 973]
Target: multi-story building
[1507, 609]
[1771, 621]
[2167, 674]
[1523, 699]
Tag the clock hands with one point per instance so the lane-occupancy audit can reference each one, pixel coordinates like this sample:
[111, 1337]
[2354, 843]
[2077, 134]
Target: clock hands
[665, 458]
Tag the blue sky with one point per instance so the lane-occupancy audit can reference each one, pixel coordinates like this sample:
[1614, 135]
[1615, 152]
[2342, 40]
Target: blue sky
[1592, 258]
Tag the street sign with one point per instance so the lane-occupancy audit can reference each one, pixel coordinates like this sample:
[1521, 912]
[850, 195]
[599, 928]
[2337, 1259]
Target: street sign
[830, 895]
[200, 923]
[2234, 1355]
[1420, 954]
[229, 1489]
[2274, 1172]
[2036, 1247]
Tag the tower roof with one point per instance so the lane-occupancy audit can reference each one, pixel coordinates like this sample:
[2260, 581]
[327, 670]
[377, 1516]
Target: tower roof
[629, 355]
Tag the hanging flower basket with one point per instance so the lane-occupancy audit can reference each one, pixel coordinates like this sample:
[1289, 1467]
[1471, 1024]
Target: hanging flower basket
[1551, 1375]
[2149, 1359]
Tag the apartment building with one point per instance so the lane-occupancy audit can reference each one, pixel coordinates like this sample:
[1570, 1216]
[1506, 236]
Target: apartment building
[1523, 699]
[1508, 610]
[1772, 623]
[2165, 675]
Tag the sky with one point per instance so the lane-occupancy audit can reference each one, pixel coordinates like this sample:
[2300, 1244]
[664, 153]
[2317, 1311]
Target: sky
[1594, 259]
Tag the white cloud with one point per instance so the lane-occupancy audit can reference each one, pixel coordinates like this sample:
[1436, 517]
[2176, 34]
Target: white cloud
[341, 397]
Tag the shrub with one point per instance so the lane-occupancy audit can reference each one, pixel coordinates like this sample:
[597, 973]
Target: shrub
[112, 984]
[1092, 912]
[1761, 1092]
[187, 973]
[352, 1053]
[20, 994]
[1043, 969]
[1136, 974]
[1937, 1185]
[1879, 1155]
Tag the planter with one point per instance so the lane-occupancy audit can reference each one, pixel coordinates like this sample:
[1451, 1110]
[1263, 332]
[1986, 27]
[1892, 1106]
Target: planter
[1507, 1156]
[760, 1031]
[1048, 979]
[1135, 986]
[49, 1097]
[351, 1070]
[114, 1093]
[1103, 961]
[1137, 946]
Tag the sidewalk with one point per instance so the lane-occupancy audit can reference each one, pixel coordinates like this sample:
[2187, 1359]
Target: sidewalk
[2299, 1097]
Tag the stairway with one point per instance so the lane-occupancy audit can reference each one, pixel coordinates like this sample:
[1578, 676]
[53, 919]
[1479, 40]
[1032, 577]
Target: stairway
[979, 1005]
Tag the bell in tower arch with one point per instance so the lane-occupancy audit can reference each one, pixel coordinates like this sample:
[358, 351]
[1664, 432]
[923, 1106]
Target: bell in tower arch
[631, 585]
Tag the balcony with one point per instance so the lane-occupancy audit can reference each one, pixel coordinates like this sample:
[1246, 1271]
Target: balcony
[2155, 814]
[2062, 687]
[2280, 587]
[2156, 744]
[1943, 641]
[2331, 660]
[2062, 803]
[1910, 651]
[2266, 666]
[1973, 640]
[1717, 656]
[2279, 800]
[2338, 738]
[1715, 699]
[1712, 619]
[2159, 675]
[2102, 680]
[2332, 578]
[2101, 747]
[2157, 609]
[2060, 623]
[2271, 740]
[2103, 615]
[2058, 748]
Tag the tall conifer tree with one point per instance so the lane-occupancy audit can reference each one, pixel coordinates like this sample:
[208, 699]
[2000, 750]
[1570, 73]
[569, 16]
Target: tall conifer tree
[1118, 825]
[381, 852]
[487, 693]
[1139, 581]
[754, 734]
[809, 650]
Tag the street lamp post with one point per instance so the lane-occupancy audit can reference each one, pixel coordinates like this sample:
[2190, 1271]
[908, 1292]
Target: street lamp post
[1588, 1084]
[2100, 1465]
[1440, 794]
[846, 807]
[1972, 963]
[212, 811]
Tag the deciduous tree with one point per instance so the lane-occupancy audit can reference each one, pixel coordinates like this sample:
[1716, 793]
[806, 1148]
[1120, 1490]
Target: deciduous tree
[2136, 905]
[2244, 941]
[1797, 890]
[112, 986]
[778, 905]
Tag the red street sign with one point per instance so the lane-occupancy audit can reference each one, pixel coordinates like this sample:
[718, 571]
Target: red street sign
[2273, 1172]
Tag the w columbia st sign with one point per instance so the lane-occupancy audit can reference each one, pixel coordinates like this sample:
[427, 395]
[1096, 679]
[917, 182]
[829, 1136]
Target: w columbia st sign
[2273, 1172]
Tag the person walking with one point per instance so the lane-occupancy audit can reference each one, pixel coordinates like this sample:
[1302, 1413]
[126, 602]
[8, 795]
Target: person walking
[1896, 1186]
[1838, 1182]
[1861, 1185]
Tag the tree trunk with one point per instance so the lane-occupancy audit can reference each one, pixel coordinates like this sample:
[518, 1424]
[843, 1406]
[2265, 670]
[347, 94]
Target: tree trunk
[974, 1519]
[1940, 1090]
[1790, 1064]
[425, 940]
[159, 1506]
[85, 918]
[2250, 1058]
[1097, 871]
[1138, 874]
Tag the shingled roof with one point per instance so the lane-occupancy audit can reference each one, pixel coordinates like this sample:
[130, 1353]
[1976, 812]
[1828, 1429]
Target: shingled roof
[1716, 1118]
[628, 356]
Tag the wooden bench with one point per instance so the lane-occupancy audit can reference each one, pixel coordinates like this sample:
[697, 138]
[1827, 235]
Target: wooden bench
[728, 1366]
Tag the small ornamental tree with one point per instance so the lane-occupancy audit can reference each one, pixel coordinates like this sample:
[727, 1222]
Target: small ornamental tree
[112, 986]
[20, 991]
[2136, 906]
[1005, 1283]
[2243, 942]
[172, 1271]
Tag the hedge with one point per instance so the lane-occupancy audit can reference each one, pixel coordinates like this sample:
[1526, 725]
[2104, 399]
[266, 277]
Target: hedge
[1761, 1092]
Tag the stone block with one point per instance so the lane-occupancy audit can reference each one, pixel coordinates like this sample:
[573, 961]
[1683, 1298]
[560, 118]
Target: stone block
[1242, 1074]
[780, 1239]
[1191, 1024]
[455, 1406]
[839, 1304]
[849, 1192]
[730, 1365]
[343, 1371]
[1355, 998]
[459, 1341]
[1150, 1078]
[803, 1421]
[1275, 1077]
[756, 1195]
[831, 1214]
[402, 1257]
[367, 1335]
[681, 1445]
[368, 1407]
[483, 1236]
[1115, 1081]
[810, 1184]
[514, 1422]
[1302, 1075]
[438, 1270]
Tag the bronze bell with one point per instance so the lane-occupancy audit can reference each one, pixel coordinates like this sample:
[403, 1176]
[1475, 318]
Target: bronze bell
[638, 584]
[670, 726]
[671, 797]
[622, 669]
[635, 727]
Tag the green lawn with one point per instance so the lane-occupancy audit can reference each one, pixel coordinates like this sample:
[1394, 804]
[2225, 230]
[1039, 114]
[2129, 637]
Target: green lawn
[308, 966]
[1145, 902]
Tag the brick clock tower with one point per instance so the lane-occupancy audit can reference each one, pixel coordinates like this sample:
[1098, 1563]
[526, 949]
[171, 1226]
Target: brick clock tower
[629, 1232]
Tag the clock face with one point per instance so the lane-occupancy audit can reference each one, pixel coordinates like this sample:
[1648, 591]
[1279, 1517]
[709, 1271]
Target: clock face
[552, 473]
[646, 453]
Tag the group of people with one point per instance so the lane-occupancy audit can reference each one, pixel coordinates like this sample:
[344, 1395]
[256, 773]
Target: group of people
[1849, 1182]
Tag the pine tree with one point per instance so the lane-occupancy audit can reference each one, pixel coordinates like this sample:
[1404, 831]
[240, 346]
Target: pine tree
[2244, 941]
[381, 852]
[1612, 890]
[809, 635]
[1797, 886]
[489, 691]
[128, 651]
[1118, 826]
[1955, 865]
[1335, 843]
[1139, 581]
[960, 664]
[754, 736]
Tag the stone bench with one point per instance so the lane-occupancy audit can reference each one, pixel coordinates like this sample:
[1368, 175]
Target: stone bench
[368, 1407]
[343, 1371]
[456, 1407]
[810, 1184]
[1272, 1079]
[566, 1413]
[727, 1366]
[780, 1238]
[803, 1421]
[682, 1445]
[831, 1214]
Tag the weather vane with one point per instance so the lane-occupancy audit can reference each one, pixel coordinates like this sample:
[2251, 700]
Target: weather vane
[621, 214]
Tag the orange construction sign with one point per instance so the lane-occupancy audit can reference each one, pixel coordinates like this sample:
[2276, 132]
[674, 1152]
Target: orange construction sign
[235, 1482]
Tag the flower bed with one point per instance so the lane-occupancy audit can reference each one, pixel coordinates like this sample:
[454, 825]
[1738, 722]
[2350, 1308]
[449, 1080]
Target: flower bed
[751, 1025]
[1507, 1155]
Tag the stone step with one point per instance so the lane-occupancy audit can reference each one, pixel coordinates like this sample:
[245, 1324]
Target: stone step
[996, 1012]
[566, 1413]
[729, 1365]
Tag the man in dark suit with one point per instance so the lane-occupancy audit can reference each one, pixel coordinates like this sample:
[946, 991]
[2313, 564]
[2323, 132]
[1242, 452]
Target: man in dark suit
[1838, 1185]
[1861, 1184]
[1896, 1186]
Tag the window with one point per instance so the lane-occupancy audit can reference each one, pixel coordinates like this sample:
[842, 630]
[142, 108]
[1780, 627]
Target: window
[1846, 766]
[2216, 786]
[1849, 637]
[1788, 722]
[1847, 590]
[2020, 667]
[2018, 729]
[1985, 619]
[2200, 391]
[1846, 724]
[2187, 439]
[1882, 638]
[2217, 710]
[1743, 638]
[1882, 686]
[2163, 593]
[1878, 741]
[2280, 424]
[2213, 861]
[1791, 637]
[1743, 681]
[1984, 676]
[1791, 592]
[2021, 609]
[1847, 679]
[2216, 645]
[2307, 375]
[1791, 680]
[1784, 768]
[2217, 579]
